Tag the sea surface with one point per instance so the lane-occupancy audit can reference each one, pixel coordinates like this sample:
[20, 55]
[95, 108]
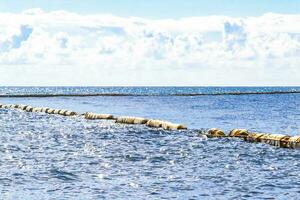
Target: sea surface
[54, 157]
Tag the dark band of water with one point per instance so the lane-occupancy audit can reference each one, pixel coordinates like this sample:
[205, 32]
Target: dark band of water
[127, 94]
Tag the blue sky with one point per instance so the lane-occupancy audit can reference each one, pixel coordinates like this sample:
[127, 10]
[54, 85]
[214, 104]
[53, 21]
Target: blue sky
[159, 8]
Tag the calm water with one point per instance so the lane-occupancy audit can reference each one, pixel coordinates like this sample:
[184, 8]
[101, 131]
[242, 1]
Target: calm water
[53, 157]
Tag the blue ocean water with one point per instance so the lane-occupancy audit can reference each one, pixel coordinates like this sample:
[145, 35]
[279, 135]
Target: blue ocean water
[53, 157]
[142, 90]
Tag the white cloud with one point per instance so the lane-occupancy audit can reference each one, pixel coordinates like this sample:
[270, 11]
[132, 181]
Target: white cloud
[63, 48]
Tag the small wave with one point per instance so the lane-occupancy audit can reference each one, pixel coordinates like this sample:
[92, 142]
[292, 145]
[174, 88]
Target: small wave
[63, 175]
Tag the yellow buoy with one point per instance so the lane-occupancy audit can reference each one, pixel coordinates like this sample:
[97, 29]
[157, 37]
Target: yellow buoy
[238, 133]
[62, 112]
[4, 106]
[154, 123]
[93, 116]
[164, 124]
[214, 132]
[37, 110]
[56, 111]
[254, 137]
[13, 106]
[22, 107]
[44, 110]
[70, 113]
[50, 111]
[275, 139]
[29, 109]
[171, 126]
[294, 142]
[131, 120]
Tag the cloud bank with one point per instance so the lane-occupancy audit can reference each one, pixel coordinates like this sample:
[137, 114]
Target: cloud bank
[65, 48]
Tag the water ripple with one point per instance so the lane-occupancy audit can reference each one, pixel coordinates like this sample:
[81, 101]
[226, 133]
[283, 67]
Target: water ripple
[50, 157]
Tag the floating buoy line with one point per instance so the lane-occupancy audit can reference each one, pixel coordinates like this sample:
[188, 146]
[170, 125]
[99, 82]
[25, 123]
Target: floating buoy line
[94, 116]
[278, 140]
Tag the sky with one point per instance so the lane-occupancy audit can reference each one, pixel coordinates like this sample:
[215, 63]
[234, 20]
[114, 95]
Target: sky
[156, 9]
[155, 43]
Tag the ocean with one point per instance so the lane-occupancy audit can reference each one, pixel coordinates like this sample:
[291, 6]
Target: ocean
[55, 157]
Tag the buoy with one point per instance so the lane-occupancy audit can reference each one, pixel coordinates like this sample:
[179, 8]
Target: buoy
[278, 140]
[125, 120]
[275, 139]
[131, 120]
[13, 106]
[171, 126]
[4, 106]
[254, 137]
[37, 109]
[94, 116]
[44, 110]
[22, 107]
[294, 142]
[17, 106]
[164, 124]
[140, 120]
[214, 132]
[238, 133]
[56, 111]
[155, 123]
[70, 113]
[66, 112]
[29, 109]
[50, 111]
[62, 112]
